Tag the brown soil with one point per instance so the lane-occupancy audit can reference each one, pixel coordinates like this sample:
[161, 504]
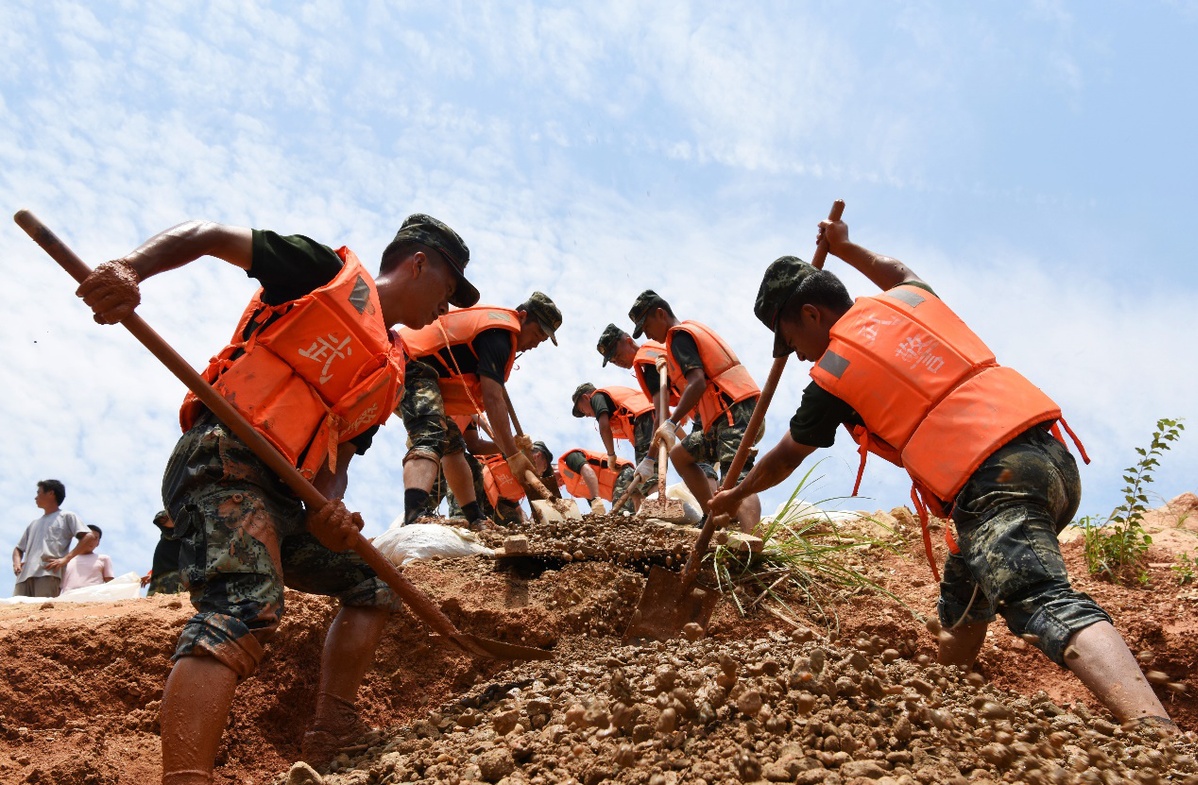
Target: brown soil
[781, 696]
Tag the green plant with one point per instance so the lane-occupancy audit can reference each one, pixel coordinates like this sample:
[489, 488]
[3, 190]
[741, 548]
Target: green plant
[808, 559]
[1184, 569]
[1116, 548]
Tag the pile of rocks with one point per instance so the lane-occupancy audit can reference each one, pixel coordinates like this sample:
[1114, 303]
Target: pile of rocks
[773, 709]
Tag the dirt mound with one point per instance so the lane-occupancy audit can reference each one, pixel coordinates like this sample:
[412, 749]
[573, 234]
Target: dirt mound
[80, 685]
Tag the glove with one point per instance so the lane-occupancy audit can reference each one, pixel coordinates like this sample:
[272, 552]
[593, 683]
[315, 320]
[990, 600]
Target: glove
[598, 507]
[524, 444]
[334, 526]
[520, 465]
[646, 470]
[665, 435]
[611, 462]
[111, 292]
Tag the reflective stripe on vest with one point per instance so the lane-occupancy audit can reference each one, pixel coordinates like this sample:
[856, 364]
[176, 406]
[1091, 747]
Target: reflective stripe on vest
[598, 462]
[313, 372]
[461, 392]
[630, 404]
[926, 387]
[728, 381]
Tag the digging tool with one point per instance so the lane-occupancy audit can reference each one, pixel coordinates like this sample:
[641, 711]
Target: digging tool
[671, 600]
[662, 507]
[420, 603]
[547, 508]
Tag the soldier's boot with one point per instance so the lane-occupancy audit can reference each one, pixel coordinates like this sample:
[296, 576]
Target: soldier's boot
[195, 708]
[348, 653]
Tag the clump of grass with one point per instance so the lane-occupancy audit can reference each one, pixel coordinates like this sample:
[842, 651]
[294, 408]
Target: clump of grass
[1117, 547]
[804, 558]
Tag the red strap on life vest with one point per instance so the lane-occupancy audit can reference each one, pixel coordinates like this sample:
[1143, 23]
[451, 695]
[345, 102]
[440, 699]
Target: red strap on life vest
[1056, 431]
[863, 448]
[922, 509]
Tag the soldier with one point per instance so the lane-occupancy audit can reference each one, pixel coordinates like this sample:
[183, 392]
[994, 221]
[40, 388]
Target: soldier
[588, 475]
[622, 413]
[459, 366]
[715, 386]
[914, 385]
[315, 343]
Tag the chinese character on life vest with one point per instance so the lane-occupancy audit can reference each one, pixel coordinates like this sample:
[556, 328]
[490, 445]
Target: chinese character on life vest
[917, 350]
[327, 347]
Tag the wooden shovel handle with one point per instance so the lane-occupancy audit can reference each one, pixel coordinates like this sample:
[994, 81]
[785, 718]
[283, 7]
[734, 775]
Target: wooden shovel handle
[821, 250]
[734, 469]
[313, 499]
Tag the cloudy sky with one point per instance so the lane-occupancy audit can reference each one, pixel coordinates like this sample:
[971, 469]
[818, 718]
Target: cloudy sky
[1034, 161]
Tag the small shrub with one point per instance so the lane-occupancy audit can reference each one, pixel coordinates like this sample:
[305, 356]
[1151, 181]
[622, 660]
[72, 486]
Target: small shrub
[1184, 569]
[1116, 547]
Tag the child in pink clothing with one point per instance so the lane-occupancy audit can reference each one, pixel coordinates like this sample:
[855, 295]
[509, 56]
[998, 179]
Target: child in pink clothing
[88, 568]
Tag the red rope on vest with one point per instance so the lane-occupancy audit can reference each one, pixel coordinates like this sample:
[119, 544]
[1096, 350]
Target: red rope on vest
[922, 509]
[1076, 441]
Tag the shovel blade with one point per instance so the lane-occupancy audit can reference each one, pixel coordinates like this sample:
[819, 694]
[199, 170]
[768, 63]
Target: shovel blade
[669, 510]
[491, 649]
[667, 606]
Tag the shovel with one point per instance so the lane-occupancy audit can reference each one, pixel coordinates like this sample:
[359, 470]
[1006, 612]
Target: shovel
[547, 509]
[663, 507]
[421, 605]
[671, 600]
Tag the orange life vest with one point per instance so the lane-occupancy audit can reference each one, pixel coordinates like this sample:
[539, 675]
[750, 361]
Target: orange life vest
[498, 480]
[607, 477]
[461, 392]
[644, 365]
[933, 398]
[312, 372]
[728, 381]
[630, 404]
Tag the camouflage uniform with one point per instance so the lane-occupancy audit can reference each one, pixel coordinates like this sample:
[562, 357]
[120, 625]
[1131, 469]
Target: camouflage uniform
[1008, 517]
[623, 479]
[170, 582]
[243, 537]
[718, 444]
[430, 433]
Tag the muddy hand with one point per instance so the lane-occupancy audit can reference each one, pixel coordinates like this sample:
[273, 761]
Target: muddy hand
[834, 233]
[111, 292]
[725, 503]
[524, 444]
[335, 526]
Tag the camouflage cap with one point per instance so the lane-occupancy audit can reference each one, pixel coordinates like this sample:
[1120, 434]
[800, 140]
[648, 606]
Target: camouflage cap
[645, 302]
[579, 391]
[427, 230]
[609, 342]
[544, 450]
[540, 307]
[781, 280]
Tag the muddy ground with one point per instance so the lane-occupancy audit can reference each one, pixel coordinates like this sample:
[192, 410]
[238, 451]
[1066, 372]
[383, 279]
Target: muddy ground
[846, 694]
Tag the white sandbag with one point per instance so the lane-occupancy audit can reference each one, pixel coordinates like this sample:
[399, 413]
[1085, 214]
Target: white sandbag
[425, 540]
[122, 587]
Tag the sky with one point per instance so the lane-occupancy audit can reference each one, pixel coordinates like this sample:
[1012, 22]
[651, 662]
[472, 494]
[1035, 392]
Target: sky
[1032, 160]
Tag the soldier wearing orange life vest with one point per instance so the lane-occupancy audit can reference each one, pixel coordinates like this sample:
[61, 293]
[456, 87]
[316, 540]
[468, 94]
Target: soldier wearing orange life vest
[622, 413]
[459, 365]
[914, 385]
[586, 475]
[716, 388]
[314, 366]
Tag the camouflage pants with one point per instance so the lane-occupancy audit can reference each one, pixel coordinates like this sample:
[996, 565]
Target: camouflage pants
[169, 582]
[243, 538]
[430, 433]
[1008, 517]
[623, 479]
[717, 444]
